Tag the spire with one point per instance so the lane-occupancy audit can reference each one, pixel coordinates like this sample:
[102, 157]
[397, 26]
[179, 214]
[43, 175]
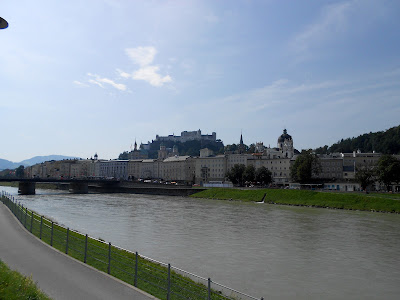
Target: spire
[135, 147]
[241, 138]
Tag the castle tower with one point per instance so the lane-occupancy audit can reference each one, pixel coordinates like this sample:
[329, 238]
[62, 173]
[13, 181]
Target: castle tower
[285, 144]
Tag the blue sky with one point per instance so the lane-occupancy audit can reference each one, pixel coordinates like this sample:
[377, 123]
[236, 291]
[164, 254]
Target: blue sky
[79, 77]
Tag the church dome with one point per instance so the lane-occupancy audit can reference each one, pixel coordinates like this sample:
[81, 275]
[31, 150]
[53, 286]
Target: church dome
[284, 136]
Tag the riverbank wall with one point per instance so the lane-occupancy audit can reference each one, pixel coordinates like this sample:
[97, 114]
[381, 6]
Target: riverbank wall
[146, 188]
[127, 187]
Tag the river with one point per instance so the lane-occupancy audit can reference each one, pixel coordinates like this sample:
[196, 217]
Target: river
[270, 251]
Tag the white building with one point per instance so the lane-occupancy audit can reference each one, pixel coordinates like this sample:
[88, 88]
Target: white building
[117, 169]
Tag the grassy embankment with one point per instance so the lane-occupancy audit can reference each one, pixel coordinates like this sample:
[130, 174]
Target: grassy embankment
[352, 201]
[150, 276]
[13, 285]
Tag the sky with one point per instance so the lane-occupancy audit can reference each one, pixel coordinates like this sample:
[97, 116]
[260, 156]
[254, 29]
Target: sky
[85, 77]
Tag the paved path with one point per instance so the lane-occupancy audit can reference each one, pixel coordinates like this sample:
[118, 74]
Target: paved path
[58, 275]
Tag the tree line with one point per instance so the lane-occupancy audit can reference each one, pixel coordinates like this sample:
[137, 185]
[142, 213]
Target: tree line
[242, 175]
[385, 142]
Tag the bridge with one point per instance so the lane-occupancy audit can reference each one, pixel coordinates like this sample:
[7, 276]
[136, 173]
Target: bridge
[27, 186]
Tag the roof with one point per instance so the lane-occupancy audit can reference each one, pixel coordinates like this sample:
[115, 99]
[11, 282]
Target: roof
[176, 158]
[284, 136]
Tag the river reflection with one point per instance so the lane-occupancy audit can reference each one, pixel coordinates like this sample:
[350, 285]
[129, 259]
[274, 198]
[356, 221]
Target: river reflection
[278, 252]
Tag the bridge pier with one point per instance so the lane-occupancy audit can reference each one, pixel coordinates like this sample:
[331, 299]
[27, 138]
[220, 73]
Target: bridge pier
[78, 188]
[26, 188]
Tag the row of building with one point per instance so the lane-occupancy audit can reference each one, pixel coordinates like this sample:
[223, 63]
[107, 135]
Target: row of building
[206, 168]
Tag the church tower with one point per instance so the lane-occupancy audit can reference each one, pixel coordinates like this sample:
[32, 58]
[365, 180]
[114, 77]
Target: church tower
[162, 153]
[241, 147]
[285, 144]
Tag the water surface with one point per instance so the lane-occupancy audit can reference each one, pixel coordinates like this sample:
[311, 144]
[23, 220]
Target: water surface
[270, 251]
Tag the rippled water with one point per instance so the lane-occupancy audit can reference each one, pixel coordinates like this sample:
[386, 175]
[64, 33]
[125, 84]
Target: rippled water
[278, 252]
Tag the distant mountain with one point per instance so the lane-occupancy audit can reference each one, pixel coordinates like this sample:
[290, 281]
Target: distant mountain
[386, 142]
[6, 164]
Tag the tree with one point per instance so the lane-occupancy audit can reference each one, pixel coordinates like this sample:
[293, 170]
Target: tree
[322, 150]
[236, 174]
[365, 176]
[263, 176]
[123, 156]
[252, 148]
[19, 172]
[231, 148]
[249, 174]
[387, 142]
[305, 165]
[388, 170]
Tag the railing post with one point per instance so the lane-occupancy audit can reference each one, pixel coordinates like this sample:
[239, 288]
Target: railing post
[41, 225]
[32, 222]
[136, 269]
[209, 289]
[85, 256]
[66, 246]
[109, 258]
[26, 214]
[169, 282]
[52, 230]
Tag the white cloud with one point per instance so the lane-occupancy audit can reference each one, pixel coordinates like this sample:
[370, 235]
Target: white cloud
[99, 81]
[123, 74]
[79, 83]
[149, 74]
[96, 83]
[142, 56]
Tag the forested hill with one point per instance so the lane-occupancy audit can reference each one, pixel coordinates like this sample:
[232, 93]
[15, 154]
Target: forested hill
[386, 142]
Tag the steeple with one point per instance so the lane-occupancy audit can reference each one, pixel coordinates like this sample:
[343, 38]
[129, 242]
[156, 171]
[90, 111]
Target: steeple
[135, 146]
[241, 145]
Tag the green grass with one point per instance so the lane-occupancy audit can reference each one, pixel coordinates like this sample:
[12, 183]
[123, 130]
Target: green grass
[13, 285]
[353, 201]
[151, 277]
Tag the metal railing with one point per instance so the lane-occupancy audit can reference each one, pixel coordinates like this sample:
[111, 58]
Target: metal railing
[157, 278]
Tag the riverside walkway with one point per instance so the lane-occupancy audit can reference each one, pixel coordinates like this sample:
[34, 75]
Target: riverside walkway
[56, 274]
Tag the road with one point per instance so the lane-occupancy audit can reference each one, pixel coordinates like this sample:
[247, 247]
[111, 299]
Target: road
[56, 274]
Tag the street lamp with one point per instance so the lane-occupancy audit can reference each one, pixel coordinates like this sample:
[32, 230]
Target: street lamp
[3, 23]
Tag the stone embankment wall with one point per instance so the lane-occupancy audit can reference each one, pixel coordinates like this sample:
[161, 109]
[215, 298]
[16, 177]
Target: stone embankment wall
[148, 188]
[138, 188]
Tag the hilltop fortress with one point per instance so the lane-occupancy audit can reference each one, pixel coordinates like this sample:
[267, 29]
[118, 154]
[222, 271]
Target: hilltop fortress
[188, 136]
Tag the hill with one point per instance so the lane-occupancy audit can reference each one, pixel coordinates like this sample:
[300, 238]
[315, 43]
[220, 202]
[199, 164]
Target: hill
[6, 164]
[386, 142]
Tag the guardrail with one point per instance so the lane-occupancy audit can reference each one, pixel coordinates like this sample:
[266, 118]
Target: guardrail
[157, 278]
